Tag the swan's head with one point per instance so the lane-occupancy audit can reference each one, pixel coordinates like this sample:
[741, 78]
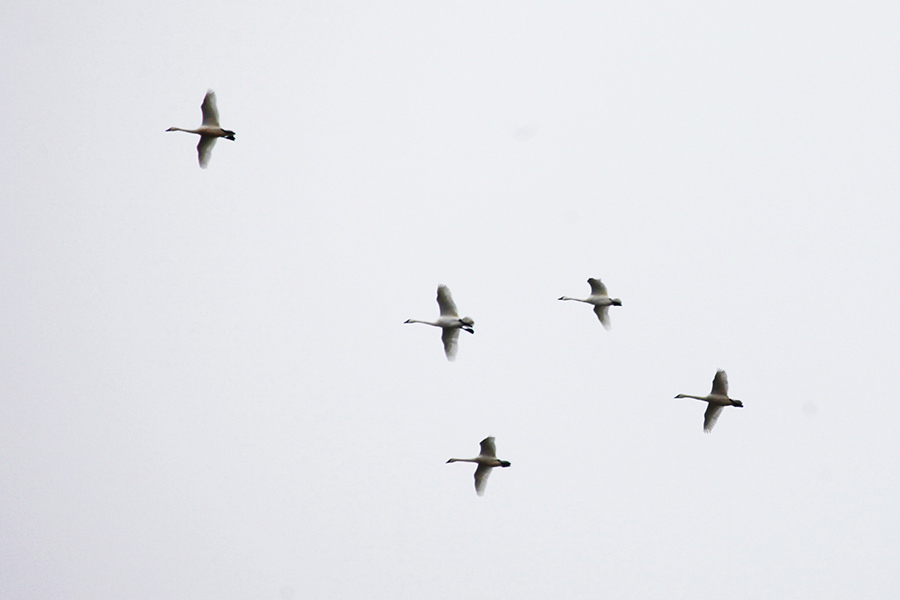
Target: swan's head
[680, 396]
[172, 129]
[408, 321]
[615, 302]
[505, 463]
[737, 403]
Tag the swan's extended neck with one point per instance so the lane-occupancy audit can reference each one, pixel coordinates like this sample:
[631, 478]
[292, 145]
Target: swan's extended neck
[216, 132]
[471, 460]
[694, 397]
[422, 322]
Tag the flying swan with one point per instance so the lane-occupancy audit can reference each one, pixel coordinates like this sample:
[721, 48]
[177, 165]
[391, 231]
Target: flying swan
[716, 399]
[209, 131]
[486, 461]
[449, 322]
[600, 299]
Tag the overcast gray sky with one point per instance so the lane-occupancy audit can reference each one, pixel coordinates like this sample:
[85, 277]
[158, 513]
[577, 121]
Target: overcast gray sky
[207, 391]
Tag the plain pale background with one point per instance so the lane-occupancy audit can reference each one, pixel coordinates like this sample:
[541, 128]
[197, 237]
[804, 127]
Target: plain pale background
[207, 391]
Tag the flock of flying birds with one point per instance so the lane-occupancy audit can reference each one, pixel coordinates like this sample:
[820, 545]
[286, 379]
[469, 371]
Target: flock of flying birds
[451, 323]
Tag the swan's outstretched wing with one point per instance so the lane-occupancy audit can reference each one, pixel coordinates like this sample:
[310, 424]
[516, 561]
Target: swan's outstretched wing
[481, 477]
[720, 384]
[204, 149]
[602, 313]
[597, 287]
[210, 112]
[445, 301]
[488, 448]
[449, 335]
[711, 416]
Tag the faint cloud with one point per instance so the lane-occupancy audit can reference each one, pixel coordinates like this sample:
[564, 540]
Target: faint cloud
[810, 408]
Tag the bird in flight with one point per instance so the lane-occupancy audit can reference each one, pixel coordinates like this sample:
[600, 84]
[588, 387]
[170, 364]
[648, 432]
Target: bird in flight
[209, 131]
[449, 321]
[717, 399]
[600, 299]
[486, 461]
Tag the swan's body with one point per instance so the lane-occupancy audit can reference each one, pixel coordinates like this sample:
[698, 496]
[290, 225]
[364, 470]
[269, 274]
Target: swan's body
[449, 322]
[486, 460]
[716, 399]
[210, 131]
[600, 299]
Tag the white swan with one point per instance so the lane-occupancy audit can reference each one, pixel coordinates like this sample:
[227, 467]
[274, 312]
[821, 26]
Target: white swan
[449, 322]
[717, 398]
[486, 461]
[600, 299]
[210, 129]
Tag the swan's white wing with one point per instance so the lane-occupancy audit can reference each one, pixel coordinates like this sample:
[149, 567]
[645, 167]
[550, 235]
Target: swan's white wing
[597, 287]
[449, 335]
[445, 301]
[210, 112]
[488, 448]
[602, 313]
[204, 149]
[711, 416]
[720, 384]
[481, 477]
